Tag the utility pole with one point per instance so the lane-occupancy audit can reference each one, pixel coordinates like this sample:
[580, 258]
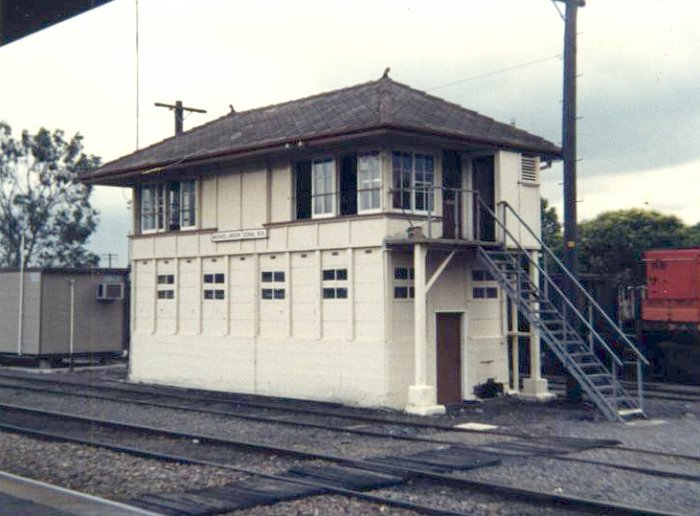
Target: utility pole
[179, 111]
[109, 257]
[569, 147]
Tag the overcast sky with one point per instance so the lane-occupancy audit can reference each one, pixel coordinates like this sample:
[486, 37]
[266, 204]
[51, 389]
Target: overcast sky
[639, 90]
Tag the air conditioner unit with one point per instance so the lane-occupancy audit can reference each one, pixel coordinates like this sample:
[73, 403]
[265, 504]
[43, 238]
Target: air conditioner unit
[110, 291]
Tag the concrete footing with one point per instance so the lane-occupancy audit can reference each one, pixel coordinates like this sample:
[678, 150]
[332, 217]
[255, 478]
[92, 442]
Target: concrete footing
[536, 389]
[421, 401]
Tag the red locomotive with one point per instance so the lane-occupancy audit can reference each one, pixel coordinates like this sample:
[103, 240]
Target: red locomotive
[669, 326]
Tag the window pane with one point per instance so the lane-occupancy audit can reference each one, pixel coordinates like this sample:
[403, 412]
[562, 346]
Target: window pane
[401, 273]
[323, 183]
[148, 208]
[187, 203]
[369, 180]
[341, 274]
[218, 278]
[208, 278]
[218, 294]
[208, 294]
[174, 205]
[400, 292]
[279, 276]
[160, 205]
[328, 293]
[329, 275]
[491, 293]
[267, 293]
[341, 293]
[279, 293]
[267, 277]
[402, 169]
[478, 293]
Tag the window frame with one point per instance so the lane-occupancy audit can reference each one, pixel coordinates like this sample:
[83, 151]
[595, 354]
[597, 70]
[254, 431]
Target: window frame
[333, 194]
[398, 192]
[378, 181]
[162, 203]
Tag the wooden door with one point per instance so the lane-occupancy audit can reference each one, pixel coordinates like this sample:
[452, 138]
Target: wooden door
[451, 197]
[483, 182]
[449, 358]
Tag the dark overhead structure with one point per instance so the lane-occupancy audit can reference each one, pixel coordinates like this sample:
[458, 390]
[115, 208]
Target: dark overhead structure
[20, 18]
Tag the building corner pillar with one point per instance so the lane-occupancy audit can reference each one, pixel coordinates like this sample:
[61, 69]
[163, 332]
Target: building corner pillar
[535, 387]
[422, 398]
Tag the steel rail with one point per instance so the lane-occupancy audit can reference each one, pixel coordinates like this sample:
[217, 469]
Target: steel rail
[125, 387]
[504, 489]
[607, 444]
[610, 444]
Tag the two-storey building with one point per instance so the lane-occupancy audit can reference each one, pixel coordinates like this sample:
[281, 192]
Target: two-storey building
[326, 248]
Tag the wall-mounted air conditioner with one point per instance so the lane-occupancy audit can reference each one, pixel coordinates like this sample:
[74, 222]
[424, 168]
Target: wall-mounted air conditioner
[110, 291]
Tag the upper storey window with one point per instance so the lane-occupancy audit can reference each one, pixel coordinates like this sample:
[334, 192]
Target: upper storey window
[168, 206]
[413, 178]
[346, 185]
[323, 187]
[369, 181]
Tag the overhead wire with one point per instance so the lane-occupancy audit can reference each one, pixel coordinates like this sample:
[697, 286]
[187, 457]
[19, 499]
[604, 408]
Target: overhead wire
[496, 72]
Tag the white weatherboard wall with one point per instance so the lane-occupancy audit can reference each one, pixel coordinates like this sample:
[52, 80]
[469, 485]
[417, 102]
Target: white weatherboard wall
[523, 197]
[297, 346]
[484, 348]
[357, 350]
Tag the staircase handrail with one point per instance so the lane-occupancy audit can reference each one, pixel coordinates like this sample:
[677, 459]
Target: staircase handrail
[581, 288]
[576, 311]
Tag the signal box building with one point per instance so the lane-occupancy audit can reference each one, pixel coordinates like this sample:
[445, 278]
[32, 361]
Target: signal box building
[326, 248]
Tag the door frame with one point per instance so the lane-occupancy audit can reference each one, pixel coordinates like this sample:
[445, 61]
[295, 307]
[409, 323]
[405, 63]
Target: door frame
[463, 369]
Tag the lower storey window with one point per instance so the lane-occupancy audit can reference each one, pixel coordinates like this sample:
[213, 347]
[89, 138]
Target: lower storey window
[403, 283]
[273, 291]
[485, 293]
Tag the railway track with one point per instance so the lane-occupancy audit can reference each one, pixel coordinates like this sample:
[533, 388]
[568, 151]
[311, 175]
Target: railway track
[115, 434]
[652, 390]
[336, 419]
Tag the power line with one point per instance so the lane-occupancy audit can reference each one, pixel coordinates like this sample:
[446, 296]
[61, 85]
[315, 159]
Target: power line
[496, 72]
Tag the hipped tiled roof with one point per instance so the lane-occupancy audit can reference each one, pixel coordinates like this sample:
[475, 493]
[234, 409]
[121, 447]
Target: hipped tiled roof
[374, 105]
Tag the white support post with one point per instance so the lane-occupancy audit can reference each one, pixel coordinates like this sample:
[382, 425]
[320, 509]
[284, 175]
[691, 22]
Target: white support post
[515, 346]
[422, 398]
[535, 387]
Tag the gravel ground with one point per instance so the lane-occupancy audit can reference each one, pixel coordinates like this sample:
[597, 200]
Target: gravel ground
[100, 472]
[674, 427]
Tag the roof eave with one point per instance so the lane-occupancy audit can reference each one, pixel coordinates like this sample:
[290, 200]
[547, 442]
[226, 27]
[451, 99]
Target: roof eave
[120, 177]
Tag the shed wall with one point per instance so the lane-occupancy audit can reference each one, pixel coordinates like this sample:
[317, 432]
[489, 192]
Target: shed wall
[9, 312]
[98, 326]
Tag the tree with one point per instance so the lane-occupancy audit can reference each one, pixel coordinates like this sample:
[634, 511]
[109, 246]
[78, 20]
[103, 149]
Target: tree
[42, 199]
[613, 244]
[551, 227]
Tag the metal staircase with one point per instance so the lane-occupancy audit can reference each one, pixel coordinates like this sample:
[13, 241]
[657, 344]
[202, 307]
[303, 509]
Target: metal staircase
[592, 348]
